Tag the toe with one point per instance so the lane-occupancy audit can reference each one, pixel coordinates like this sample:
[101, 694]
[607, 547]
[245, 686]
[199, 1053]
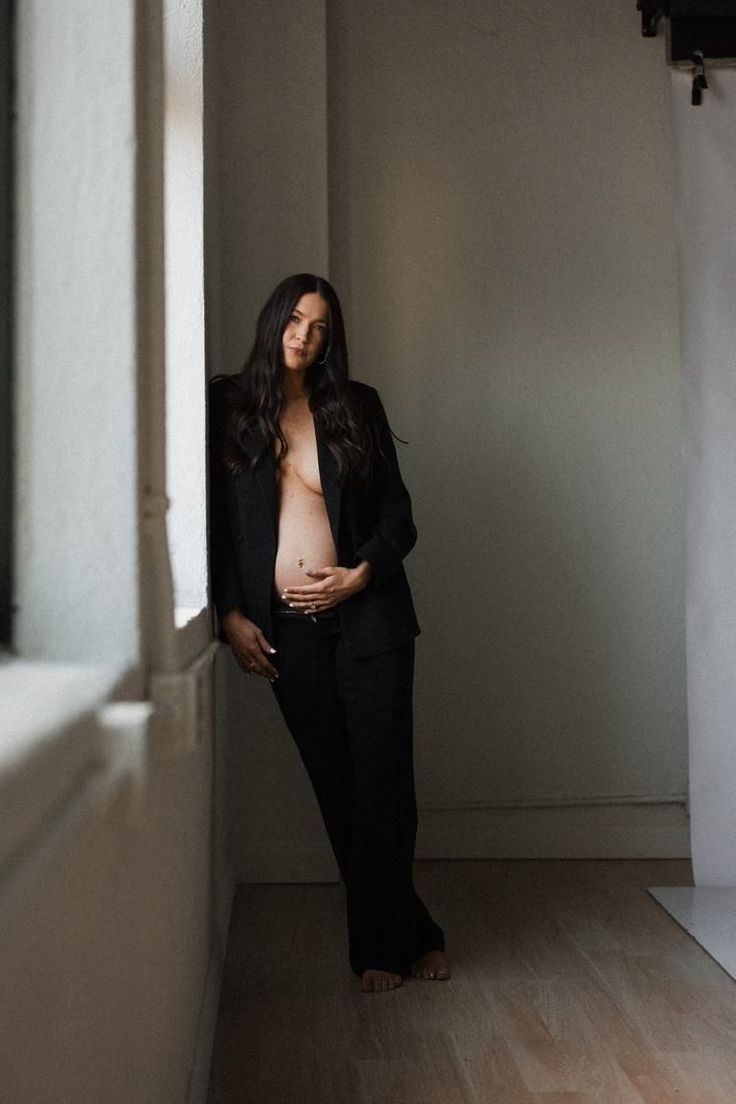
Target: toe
[431, 967]
[369, 981]
[379, 981]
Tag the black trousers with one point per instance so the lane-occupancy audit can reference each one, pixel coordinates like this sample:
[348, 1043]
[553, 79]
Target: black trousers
[352, 723]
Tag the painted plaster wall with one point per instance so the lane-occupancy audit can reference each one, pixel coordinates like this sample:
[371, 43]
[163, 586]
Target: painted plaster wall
[272, 160]
[104, 957]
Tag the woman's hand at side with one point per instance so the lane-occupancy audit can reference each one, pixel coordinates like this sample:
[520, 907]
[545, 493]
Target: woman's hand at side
[333, 585]
[249, 645]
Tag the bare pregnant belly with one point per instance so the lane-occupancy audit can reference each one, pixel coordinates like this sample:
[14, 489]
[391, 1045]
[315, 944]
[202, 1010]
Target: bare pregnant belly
[304, 534]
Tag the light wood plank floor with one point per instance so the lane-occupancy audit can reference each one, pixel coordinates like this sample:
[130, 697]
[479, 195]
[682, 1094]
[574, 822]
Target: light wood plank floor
[570, 986]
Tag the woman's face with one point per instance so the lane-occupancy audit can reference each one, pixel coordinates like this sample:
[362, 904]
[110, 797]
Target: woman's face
[306, 331]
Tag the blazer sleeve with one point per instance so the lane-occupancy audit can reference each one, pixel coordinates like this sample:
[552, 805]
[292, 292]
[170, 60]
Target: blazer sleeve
[393, 533]
[224, 585]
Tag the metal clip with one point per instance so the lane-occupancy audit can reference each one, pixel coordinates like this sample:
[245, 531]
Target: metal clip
[699, 81]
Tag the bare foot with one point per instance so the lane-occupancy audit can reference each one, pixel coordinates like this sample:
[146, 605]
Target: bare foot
[379, 981]
[433, 966]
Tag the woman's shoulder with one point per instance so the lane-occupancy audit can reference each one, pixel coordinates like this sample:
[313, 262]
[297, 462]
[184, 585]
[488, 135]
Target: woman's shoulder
[361, 388]
[221, 390]
[365, 395]
[224, 385]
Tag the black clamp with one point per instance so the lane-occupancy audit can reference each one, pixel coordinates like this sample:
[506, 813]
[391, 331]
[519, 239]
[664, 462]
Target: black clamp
[699, 81]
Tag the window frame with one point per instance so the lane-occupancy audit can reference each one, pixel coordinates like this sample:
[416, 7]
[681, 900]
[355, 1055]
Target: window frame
[6, 381]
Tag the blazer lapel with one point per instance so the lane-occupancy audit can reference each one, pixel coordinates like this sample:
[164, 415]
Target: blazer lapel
[264, 475]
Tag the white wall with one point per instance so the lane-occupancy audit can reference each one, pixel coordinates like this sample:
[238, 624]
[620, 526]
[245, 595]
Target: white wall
[272, 160]
[500, 203]
[104, 953]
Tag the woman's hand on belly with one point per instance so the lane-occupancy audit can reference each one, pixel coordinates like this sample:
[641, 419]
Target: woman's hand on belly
[332, 585]
[249, 645]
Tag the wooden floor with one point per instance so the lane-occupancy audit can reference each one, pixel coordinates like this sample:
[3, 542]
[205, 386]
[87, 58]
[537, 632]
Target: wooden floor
[571, 986]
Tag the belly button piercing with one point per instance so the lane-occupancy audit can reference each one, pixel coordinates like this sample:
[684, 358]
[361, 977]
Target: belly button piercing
[300, 561]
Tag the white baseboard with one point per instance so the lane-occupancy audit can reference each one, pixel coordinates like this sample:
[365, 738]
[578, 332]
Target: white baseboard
[605, 828]
[602, 828]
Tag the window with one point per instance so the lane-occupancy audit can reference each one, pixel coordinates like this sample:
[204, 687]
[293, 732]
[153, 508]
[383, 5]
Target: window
[184, 284]
[6, 428]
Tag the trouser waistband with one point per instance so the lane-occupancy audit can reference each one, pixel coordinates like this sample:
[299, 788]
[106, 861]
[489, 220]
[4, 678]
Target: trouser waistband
[282, 609]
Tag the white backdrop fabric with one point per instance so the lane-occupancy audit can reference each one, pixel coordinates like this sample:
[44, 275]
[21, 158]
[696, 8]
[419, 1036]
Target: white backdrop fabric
[705, 166]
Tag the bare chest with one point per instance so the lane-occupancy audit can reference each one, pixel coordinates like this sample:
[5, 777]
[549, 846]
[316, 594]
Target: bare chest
[300, 466]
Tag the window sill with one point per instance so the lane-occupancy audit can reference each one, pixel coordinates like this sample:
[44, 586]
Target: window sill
[41, 699]
[49, 740]
[46, 704]
[193, 633]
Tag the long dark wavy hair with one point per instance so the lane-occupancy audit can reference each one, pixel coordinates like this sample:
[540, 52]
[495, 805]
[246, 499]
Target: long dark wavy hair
[256, 395]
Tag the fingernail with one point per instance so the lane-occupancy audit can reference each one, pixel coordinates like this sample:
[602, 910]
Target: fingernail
[272, 650]
[291, 605]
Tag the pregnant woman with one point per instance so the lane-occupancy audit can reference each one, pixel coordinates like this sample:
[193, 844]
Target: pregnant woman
[310, 521]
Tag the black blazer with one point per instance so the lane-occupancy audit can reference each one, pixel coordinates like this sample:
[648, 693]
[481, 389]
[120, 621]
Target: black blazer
[376, 525]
